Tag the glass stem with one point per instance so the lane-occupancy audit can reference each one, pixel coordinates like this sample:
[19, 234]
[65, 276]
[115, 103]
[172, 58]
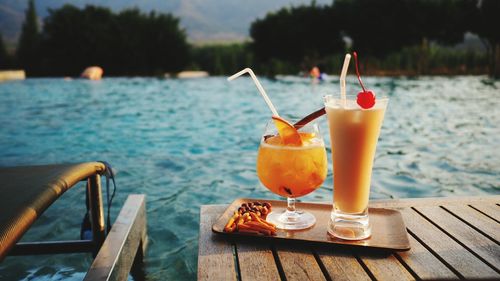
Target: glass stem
[290, 204]
[291, 215]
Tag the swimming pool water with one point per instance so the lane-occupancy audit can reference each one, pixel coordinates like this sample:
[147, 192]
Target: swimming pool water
[185, 143]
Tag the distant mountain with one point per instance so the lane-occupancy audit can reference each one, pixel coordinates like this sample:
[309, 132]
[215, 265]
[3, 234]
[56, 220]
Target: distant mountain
[203, 20]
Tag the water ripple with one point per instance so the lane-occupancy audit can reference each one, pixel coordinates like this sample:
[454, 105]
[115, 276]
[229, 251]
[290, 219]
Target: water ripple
[185, 143]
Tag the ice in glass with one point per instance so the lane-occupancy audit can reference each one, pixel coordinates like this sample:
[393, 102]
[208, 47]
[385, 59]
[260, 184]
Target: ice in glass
[292, 171]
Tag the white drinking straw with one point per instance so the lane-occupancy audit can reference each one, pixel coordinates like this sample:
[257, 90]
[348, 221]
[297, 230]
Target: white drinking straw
[343, 74]
[259, 87]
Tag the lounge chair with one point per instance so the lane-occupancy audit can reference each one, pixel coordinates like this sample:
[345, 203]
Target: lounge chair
[26, 192]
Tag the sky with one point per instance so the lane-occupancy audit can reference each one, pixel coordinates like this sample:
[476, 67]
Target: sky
[203, 20]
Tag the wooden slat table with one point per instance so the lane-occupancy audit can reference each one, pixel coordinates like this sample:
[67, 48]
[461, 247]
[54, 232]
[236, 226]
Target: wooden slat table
[451, 238]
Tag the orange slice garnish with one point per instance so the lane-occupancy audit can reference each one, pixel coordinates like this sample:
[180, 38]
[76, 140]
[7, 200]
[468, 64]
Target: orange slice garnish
[307, 137]
[287, 132]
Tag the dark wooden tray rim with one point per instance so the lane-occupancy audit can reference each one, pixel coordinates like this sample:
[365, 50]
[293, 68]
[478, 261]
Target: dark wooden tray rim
[388, 228]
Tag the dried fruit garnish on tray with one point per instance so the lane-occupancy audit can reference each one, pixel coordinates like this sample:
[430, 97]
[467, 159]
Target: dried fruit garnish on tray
[251, 219]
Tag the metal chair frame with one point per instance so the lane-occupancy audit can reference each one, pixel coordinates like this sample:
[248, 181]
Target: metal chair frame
[73, 246]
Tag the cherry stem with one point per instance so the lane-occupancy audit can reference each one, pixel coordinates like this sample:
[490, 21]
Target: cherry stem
[357, 71]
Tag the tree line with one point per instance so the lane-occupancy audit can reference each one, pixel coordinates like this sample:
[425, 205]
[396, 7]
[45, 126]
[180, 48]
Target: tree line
[377, 30]
[124, 43]
[393, 36]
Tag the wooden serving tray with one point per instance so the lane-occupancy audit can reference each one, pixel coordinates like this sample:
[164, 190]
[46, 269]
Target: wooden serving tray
[388, 229]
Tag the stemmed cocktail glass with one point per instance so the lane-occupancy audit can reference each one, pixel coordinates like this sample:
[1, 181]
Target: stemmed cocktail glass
[291, 162]
[292, 171]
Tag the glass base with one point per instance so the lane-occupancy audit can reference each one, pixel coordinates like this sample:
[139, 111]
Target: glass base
[349, 226]
[291, 220]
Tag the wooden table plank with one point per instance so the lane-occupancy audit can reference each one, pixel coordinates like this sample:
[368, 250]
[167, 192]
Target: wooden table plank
[492, 210]
[386, 268]
[466, 235]
[299, 264]
[256, 262]
[215, 255]
[341, 265]
[424, 263]
[465, 263]
[414, 202]
[476, 219]
[434, 253]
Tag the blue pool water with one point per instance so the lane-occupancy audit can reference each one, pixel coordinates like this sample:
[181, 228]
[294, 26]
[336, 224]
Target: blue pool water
[185, 143]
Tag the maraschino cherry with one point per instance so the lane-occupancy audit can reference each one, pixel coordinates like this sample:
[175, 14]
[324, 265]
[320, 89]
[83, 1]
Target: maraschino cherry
[365, 99]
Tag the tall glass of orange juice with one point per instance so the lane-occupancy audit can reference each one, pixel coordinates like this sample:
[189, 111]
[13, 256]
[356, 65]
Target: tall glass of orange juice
[354, 133]
[292, 171]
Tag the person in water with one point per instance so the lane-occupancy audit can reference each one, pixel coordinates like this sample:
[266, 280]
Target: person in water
[316, 74]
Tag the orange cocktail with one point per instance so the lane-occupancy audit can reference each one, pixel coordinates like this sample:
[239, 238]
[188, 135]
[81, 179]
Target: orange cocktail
[292, 171]
[291, 162]
[292, 166]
